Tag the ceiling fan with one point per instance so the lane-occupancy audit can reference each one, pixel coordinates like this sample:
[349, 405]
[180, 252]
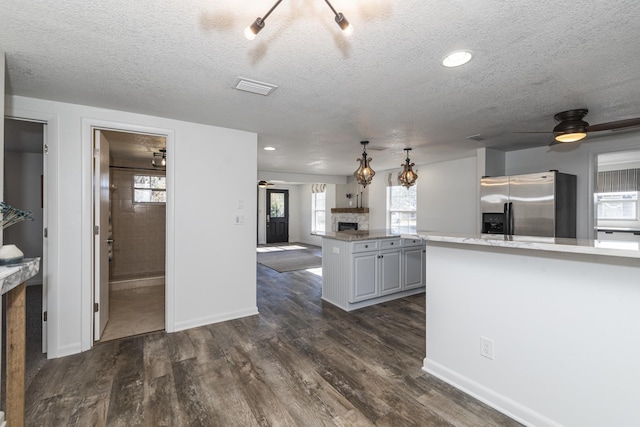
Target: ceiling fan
[571, 127]
[264, 184]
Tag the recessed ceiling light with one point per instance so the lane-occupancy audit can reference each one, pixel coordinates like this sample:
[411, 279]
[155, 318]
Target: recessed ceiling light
[457, 58]
[269, 148]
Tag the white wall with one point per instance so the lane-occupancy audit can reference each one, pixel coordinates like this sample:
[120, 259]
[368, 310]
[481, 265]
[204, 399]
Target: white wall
[210, 261]
[577, 159]
[447, 197]
[565, 330]
[23, 190]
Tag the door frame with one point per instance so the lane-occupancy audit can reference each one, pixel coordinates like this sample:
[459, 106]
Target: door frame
[268, 210]
[49, 262]
[88, 257]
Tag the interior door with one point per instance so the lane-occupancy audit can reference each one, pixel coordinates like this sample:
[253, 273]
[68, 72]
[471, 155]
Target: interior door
[101, 232]
[277, 216]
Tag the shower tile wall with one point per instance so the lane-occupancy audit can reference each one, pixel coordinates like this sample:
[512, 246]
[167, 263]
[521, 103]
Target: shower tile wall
[138, 230]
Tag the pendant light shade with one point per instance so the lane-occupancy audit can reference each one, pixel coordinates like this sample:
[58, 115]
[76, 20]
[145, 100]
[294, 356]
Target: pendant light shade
[364, 174]
[407, 177]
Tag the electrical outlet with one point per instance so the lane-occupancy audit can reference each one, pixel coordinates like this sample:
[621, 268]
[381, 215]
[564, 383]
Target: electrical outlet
[486, 347]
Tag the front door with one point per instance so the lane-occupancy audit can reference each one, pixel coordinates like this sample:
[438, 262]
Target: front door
[277, 216]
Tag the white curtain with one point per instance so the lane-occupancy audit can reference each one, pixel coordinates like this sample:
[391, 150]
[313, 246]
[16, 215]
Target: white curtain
[318, 188]
[392, 179]
[619, 180]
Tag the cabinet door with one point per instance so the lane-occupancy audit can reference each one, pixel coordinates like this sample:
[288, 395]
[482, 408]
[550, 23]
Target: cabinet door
[414, 260]
[390, 271]
[364, 276]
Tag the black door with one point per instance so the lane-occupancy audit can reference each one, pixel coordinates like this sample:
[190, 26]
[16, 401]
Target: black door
[277, 216]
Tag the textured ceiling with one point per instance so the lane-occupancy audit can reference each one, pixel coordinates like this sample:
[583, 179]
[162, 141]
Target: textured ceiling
[384, 84]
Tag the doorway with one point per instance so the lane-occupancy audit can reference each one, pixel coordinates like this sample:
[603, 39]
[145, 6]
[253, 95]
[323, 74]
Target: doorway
[130, 220]
[617, 198]
[277, 216]
[25, 179]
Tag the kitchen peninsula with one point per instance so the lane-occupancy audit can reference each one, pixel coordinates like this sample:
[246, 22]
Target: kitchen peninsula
[366, 267]
[543, 329]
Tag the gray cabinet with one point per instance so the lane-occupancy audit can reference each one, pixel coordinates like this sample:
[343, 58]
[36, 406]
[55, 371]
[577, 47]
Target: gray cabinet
[365, 272]
[414, 267]
[376, 268]
[365, 276]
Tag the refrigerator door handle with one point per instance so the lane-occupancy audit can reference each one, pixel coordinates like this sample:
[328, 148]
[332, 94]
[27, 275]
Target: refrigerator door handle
[511, 226]
[507, 214]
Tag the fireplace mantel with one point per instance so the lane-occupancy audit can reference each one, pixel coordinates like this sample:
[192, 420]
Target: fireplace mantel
[350, 210]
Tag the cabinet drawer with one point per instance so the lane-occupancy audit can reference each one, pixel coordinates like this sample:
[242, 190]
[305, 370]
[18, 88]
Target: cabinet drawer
[390, 243]
[367, 245]
[411, 242]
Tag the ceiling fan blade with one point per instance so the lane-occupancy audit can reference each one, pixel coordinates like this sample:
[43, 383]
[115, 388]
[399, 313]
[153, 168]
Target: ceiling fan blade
[533, 132]
[614, 125]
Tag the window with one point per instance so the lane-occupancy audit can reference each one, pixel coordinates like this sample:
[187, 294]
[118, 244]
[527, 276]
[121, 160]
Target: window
[318, 211]
[618, 206]
[149, 189]
[401, 206]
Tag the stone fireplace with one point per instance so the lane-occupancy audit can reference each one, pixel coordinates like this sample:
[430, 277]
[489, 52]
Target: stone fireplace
[359, 216]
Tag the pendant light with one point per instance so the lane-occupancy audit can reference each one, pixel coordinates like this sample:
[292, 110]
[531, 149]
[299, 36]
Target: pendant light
[407, 177]
[364, 174]
[162, 158]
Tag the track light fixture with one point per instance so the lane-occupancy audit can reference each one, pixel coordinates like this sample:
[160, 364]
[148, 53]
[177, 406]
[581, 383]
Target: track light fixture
[407, 177]
[364, 174]
[256, 26]
[162, 158]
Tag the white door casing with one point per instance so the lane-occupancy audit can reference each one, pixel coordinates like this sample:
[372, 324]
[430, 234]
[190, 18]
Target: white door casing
[101, 231]
[45, 234]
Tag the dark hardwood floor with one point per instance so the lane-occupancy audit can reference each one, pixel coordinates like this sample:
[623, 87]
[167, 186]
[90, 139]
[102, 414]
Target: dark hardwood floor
[301, 362]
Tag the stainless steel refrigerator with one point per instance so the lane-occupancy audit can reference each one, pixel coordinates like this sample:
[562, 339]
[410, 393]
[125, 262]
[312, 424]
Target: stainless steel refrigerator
[536, 204]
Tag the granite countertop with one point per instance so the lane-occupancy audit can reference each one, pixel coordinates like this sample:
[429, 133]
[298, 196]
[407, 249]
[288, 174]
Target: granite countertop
[356, 235]
[14, 274]
[551, 244]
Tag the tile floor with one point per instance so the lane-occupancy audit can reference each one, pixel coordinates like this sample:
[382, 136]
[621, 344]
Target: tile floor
[135, 311]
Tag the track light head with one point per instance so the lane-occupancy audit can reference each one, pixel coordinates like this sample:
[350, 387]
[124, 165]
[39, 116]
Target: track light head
[344, 24]
[252, 30]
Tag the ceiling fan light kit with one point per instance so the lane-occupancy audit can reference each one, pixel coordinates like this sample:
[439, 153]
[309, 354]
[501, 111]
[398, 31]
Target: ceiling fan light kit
[256, 26]
[364, 174]
[571, 127]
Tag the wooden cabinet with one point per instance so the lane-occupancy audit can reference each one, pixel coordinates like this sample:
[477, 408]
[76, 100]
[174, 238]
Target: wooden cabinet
[366, 272]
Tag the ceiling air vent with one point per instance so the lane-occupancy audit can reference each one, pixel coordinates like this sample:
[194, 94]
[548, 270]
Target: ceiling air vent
[254, 86]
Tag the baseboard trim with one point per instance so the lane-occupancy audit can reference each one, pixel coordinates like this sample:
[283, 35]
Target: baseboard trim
[232, 315]
[509, 407]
